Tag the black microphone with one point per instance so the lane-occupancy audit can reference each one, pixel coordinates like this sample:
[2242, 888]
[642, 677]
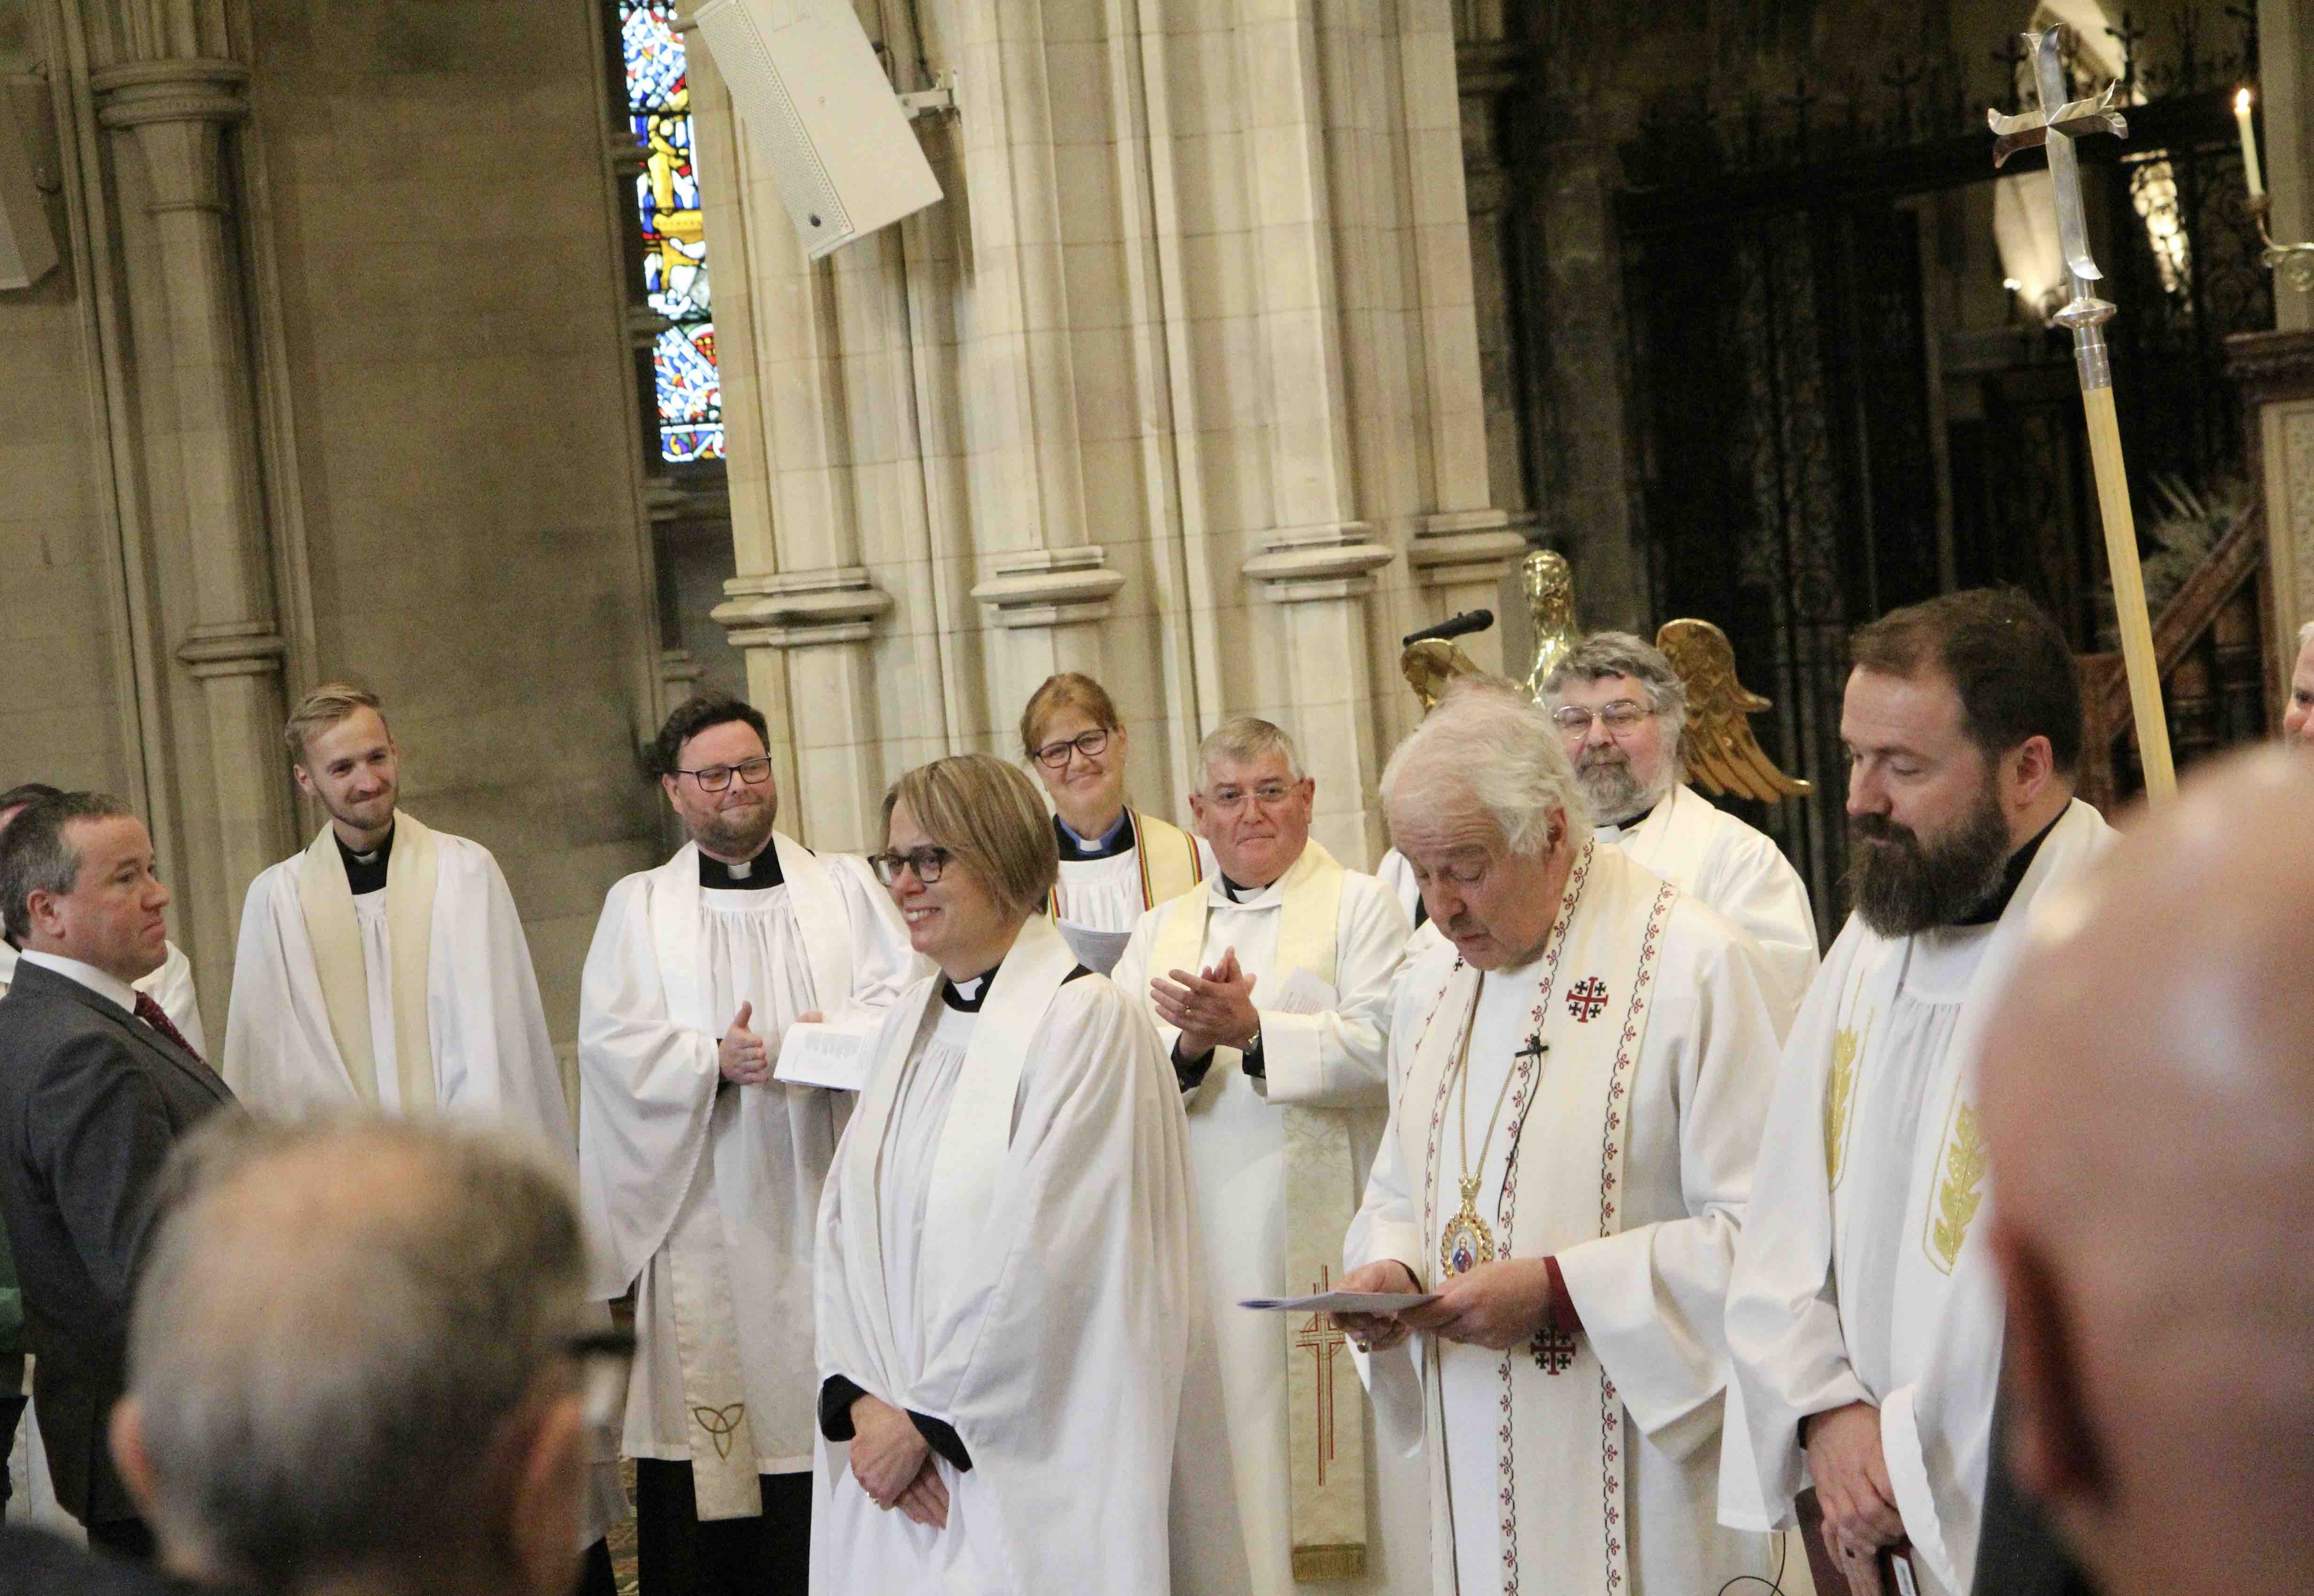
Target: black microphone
[1454, 626]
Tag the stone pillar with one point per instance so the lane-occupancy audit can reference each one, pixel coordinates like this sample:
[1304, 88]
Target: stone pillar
[803, 348]
[2285, 35]
[2275, 372]
[213, 579]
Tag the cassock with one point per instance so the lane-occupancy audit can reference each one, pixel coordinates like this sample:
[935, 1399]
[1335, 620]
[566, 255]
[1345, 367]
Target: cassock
[1863, 1276]
[1107, 883]
[399, 981]
[1628, 1069]
[171, 986]
[1006, 1254]
[700, 1194]
[1278, 1161]
[1737, 868]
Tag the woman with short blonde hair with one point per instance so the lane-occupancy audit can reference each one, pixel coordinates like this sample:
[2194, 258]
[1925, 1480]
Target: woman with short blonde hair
[1116, 862]
[1004, 1278]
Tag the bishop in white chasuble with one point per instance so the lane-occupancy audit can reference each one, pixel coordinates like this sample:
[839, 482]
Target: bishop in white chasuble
[1578, 1078]
[1865, 1319]
[1298, 954]
[700, 1176]
[1006, 1284]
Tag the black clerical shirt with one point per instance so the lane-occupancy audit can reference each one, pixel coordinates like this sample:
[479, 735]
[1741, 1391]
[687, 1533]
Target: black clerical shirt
[365, 872]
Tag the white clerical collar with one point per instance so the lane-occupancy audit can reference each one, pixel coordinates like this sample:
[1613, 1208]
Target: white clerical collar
[88, 975]
[1242, 896]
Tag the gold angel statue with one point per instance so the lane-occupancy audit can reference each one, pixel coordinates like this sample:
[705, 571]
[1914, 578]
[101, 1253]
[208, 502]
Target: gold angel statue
[1432, 662]
[1550, 604]
[1722, 754]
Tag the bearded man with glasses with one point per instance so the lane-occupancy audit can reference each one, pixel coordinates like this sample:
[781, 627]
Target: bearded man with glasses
[1621, 713]
[1270, 987]
[699, 1175]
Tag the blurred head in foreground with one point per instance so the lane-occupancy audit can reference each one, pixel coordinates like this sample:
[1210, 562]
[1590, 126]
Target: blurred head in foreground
[355, 1362]
[2149, 1101]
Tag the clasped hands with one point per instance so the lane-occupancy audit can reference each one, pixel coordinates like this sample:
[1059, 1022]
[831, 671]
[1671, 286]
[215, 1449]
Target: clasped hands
[1852, 1487]
[1497, 1306]
[743, 1056]
[1212, 1010]
[894, 1463]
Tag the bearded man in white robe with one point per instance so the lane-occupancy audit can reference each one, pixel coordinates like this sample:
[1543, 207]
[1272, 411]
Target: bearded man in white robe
[171, 986]
[699, 1175]
[1864, 1320]
[1578, 1077]
[1621, 709]
[1270, 986]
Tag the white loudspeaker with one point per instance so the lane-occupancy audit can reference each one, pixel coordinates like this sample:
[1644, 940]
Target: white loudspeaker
[821, 113]
[27, 248]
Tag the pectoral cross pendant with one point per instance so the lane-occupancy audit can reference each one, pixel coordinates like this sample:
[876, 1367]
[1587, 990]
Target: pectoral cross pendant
[1467, 1243]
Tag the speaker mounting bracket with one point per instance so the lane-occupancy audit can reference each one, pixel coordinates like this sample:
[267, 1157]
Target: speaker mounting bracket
[940, 100]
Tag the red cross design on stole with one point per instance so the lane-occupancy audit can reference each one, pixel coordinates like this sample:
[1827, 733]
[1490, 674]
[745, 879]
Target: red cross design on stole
[1324, 1338]
[1586, 998]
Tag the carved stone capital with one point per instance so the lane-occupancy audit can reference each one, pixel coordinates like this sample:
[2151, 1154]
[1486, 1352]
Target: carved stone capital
[801, 609]
[1050, 586]
[233, 648]
[137, 92]
[1459, 546]
[1302, 564]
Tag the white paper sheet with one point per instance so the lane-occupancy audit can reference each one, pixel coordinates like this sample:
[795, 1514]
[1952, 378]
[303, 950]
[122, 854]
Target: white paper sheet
[1341, 1303]
[1097, 951]
[1301, 992]
[836, 1053]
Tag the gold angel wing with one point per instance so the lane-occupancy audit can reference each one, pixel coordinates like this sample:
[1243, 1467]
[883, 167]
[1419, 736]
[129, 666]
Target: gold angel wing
[1721, 752]
[1432, 662]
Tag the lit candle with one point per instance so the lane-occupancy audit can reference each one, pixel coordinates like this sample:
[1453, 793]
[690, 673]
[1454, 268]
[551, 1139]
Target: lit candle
[2249, 145]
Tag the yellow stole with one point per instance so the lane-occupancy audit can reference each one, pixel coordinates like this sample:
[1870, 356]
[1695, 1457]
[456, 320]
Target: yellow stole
[1325, 1421]
[334, 933]
[1168, 856]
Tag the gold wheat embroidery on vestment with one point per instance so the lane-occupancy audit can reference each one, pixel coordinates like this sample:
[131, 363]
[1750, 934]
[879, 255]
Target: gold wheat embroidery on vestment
[1839, 1101]
[1963, 1189]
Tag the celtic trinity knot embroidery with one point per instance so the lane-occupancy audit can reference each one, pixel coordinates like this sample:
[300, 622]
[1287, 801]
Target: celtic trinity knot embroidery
[722, 1423]
[1587, 999]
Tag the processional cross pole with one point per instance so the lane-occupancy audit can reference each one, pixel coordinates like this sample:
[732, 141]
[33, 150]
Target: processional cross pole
[2057, 124]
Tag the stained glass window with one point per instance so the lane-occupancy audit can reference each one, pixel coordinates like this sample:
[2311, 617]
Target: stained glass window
[674, 246]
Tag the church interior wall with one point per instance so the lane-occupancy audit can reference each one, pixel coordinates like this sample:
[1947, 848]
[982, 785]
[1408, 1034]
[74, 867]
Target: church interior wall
[451, 320]
[67, 700]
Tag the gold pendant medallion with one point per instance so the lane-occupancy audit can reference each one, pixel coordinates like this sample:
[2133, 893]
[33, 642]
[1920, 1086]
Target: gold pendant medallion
[1466, 1242]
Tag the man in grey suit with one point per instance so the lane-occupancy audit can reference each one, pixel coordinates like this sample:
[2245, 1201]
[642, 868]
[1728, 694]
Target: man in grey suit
[95, 1086]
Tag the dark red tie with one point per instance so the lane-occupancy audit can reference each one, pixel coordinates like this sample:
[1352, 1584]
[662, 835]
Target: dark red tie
[154, 1015]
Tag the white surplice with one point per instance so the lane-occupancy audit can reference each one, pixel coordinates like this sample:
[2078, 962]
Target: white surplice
[1396, 873]
[1650, 1295]
[1710, 854]
[493, 1060]
[1333, 1059]
[1104, 891]
[1863, 1274]
[1006, 1246]
[171, 986]
[700, 1194]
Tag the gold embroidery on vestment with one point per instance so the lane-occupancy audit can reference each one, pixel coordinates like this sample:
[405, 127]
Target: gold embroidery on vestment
[1840, 1088]
[1962, 1191]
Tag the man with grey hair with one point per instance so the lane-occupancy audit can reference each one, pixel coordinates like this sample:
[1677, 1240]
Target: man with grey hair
[2297, 715]
[1270, 986]
[98, 1086]
[1621, 713]
[1578, 1081]
[359, 1360]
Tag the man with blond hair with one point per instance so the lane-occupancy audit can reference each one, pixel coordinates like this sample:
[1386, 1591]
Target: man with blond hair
[384, 968]
[1269, 986]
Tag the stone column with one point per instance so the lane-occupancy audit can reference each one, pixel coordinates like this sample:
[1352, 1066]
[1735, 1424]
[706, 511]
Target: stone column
[213, 579]
[795, 343]
[2285, 33]
[2275, 372]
